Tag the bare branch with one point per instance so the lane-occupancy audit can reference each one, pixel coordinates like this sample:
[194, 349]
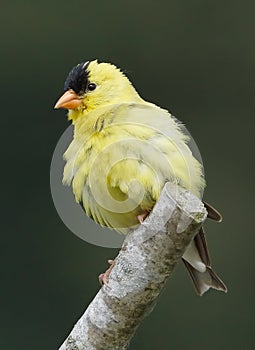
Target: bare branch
[146, 259]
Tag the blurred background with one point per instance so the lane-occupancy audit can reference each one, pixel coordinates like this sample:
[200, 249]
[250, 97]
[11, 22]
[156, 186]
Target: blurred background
[193, 57]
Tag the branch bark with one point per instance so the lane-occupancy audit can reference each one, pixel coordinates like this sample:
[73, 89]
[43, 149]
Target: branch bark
[145, 261]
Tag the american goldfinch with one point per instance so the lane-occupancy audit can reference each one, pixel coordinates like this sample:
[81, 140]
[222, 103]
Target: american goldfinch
[123, 151]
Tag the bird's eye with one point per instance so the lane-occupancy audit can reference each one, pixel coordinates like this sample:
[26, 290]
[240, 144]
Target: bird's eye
[91, 86]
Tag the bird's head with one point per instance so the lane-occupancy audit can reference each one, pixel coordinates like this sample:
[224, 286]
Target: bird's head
[92, 85]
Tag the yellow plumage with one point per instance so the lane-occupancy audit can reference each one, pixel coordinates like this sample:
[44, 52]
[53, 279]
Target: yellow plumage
[124, 150]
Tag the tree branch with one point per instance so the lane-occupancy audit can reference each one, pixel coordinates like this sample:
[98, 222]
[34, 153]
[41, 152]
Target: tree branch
[145, 261]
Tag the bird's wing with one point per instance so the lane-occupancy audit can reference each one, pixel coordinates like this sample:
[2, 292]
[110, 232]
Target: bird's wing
[166, 135]
[212, 213]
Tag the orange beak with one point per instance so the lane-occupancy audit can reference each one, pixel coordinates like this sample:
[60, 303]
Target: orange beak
[69, 100]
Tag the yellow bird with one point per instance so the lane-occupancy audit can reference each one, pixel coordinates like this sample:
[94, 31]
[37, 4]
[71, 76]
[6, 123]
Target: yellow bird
[123, 151]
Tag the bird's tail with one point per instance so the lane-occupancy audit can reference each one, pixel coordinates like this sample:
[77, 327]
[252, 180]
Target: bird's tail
[203, 281]
[197, 261]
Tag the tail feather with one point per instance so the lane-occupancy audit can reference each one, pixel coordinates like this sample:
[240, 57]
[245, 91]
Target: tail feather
[197, 261]
[202, 248]
[203, 281]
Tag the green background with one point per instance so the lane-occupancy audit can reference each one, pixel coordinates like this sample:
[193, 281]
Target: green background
[195, 58]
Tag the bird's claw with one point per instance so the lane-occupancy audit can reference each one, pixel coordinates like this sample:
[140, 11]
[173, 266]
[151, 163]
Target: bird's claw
[104, 277]
[142, 217]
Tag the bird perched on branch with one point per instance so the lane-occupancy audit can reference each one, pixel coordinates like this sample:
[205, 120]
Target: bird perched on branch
[123, 151]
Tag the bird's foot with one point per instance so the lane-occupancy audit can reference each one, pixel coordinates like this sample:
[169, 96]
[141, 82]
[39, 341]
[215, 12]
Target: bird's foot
[104, 277]
[142, 217]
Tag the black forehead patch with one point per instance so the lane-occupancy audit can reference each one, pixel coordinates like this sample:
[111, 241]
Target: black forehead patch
[77, 79]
